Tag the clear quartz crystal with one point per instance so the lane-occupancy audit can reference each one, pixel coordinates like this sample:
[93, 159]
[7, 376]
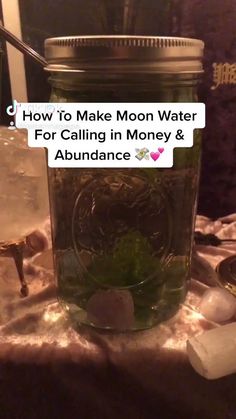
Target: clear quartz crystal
[23, 185]
[218, 305]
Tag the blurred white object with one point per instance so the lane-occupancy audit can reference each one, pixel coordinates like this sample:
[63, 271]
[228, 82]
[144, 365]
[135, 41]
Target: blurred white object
[213, 354]
[218, 305]
[23, 186]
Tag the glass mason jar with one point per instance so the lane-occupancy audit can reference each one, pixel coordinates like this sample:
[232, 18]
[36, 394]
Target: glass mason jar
[122, 237]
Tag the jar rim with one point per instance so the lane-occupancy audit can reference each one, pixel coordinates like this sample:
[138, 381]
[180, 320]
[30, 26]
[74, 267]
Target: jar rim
[118, 53]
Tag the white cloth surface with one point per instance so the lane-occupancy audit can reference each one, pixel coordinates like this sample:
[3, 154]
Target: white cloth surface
[224, 228]
[48, 370]
[35, 329]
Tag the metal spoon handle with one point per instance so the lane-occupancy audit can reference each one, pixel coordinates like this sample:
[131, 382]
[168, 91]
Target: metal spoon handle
[21, 46]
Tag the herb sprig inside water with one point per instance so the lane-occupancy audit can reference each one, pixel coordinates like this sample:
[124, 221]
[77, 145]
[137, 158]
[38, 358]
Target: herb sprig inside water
[130, 262]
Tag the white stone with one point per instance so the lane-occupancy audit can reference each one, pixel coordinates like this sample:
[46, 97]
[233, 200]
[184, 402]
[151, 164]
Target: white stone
[213, 353]
[111, 308]
[218, 305]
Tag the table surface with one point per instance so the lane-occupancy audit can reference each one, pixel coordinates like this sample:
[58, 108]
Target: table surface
[49, 371]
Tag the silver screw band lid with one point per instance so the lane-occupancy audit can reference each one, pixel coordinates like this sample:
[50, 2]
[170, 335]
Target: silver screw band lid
[124, 54]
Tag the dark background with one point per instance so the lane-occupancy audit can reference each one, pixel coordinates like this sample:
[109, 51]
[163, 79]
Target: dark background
[210, 20]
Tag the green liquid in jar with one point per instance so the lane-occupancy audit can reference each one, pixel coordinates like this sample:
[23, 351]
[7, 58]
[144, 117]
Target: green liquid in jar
[122, 237]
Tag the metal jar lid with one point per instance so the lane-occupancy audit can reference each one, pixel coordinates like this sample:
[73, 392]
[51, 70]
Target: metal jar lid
[157, 54]
[226, 271]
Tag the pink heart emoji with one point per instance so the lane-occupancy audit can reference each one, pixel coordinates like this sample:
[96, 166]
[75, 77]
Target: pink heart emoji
[161, 149]
[154, 156]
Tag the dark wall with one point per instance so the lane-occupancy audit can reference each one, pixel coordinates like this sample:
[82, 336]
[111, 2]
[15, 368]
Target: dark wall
[210, 20]
[214, 21]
